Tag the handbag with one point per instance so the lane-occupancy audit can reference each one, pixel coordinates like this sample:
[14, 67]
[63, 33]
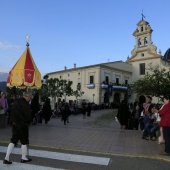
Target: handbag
[2, 111]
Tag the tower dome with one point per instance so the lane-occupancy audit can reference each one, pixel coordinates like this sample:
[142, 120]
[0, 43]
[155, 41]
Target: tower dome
[167, 55]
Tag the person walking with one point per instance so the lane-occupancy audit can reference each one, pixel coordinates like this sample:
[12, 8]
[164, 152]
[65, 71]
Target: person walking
[123, 114]
[164, 113]
[47, 112]
[88, 109]
[65, 113]
[20, 120]
[35, 107]
[84, 110]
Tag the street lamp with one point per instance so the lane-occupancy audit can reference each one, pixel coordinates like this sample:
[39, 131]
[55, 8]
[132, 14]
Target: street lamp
[93, 97]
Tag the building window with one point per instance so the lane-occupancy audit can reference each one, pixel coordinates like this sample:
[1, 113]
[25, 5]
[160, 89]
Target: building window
[117, 81]
[60, 77]
[78, 74]
[142, 68]
[126, 82]
[139, 42]
[107, 80]
[145, 41]
[141, 29]
[142, 54]
[91, 79]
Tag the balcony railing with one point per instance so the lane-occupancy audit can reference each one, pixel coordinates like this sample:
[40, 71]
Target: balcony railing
[90, 86]
[117, 87]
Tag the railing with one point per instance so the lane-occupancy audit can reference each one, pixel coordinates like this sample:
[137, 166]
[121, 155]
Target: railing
[90, 86]
[115, 86]
[118, 87]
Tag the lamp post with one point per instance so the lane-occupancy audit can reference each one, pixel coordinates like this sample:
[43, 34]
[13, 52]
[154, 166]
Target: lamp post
[93, 97]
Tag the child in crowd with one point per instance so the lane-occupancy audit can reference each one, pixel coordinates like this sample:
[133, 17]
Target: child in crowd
[154, 125]
[146, 121]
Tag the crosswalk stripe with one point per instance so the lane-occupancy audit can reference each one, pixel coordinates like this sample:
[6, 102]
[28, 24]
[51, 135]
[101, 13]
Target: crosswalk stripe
[20, 166]
[62, 156]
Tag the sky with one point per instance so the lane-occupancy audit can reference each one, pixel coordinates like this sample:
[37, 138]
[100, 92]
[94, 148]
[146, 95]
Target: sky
[85, 32]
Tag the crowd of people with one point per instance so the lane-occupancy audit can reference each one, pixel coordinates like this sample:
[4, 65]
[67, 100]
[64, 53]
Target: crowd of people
[64, 110]
[153, 120]
[43, 113]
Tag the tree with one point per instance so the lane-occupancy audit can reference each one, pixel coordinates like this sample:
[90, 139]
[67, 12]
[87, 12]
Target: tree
[66, 88]
[51, 87]
[77, 93]
[54, 88]
[155, 83]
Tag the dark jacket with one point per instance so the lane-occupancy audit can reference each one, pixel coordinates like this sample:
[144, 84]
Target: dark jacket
[35, 107]
[21, 112]
[88, 108]
[65, 112]
[123, 113]
[84, 109]
[47, 112]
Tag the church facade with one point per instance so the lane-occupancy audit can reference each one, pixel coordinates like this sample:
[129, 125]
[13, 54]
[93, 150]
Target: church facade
[110, 82]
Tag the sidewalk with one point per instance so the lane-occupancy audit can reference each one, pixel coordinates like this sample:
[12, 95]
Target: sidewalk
[80, 135]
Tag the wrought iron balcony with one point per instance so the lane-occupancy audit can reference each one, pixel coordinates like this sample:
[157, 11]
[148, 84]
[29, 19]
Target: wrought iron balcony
[114, 86]
[90, 86]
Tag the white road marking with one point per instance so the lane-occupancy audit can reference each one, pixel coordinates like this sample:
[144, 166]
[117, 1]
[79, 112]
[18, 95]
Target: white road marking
[62, 156]
[23, 166]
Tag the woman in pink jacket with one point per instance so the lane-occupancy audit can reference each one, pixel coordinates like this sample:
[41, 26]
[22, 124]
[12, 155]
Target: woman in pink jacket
[165, 124]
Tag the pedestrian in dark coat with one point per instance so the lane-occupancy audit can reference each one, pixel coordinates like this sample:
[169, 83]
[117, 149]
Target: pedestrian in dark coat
[47, 112]
[20, 120]
[35, 107]
[89, 110]
[84, 110]
[65, 113]
[123, 114]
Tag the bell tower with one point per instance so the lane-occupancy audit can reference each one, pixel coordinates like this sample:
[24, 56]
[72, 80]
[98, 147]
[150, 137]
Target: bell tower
[144, 51]
[144, 46]
[143, 35]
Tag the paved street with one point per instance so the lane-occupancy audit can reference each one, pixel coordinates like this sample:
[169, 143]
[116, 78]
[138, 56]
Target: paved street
[85, 144]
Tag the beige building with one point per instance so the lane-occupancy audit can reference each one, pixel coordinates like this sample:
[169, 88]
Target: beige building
[109, 82]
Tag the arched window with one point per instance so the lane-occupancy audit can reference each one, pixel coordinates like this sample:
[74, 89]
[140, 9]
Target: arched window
[141, 29]
[139, 42]
[145, 41]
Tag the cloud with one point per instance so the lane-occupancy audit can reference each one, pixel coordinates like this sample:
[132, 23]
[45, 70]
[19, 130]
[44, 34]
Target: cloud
[6, 46]
[9, 57]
